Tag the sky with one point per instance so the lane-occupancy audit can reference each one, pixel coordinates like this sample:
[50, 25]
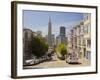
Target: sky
[38, 20]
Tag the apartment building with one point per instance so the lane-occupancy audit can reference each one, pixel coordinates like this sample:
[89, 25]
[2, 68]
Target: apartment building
[87, 35]
[79, 39]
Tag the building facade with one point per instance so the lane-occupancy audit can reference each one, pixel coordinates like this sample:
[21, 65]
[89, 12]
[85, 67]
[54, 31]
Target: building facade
[28, 37]
[87, 35]
[27, 48]
[80, 38]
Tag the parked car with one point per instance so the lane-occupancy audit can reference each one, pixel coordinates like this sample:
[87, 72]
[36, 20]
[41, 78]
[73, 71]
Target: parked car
[37, 61]
[30, 62]
[72, 58]
[40, 59]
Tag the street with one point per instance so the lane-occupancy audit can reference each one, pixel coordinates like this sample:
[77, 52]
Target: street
[55, 62]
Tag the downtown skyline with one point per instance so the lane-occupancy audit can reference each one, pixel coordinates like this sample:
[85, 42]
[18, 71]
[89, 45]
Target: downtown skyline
[38, 20]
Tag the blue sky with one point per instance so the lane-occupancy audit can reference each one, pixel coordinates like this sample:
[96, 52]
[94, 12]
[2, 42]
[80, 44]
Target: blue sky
[38, 20]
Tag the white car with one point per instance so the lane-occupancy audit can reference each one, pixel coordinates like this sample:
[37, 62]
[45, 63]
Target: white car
[28, 62]
[72, 58]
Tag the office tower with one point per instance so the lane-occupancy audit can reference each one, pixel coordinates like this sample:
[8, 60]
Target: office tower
[62, 31]
[50, 33]
[61, 38]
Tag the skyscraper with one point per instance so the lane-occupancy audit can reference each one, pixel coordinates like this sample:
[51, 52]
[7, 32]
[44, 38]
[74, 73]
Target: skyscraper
[50, 33]
[63, 34]
[61, 38]
[53, 40]
[62, 31]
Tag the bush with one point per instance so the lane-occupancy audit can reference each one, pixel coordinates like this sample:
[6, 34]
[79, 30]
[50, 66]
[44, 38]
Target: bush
[39, 47]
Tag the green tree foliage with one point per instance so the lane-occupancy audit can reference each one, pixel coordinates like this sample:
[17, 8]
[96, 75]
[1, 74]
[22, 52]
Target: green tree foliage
[39, 46]
[62, 49]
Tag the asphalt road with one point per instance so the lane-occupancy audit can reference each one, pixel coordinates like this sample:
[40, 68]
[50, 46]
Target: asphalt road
[55, 62]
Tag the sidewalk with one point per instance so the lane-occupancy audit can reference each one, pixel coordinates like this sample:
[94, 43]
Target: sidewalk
[84, 62]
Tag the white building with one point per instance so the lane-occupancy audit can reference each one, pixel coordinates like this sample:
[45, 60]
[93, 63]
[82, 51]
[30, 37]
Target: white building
[87, 35]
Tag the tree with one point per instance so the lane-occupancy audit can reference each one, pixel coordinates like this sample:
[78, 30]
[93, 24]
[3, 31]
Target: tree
[39, 47]
[62, 50]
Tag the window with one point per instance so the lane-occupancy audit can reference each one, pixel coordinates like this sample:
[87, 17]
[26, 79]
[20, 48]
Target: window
[88, 43]
[89, 28]
[88, 55]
